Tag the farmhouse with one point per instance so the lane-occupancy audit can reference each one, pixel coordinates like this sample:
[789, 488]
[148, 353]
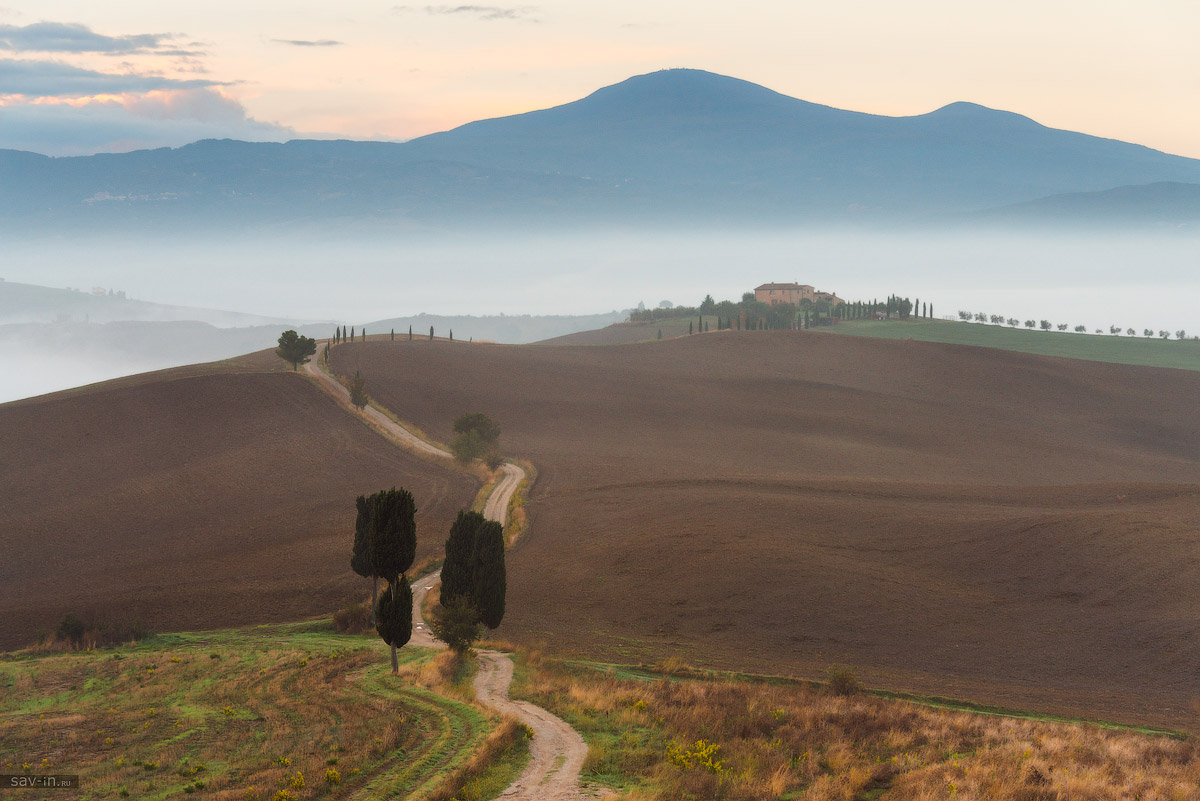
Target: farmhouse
[774, 294]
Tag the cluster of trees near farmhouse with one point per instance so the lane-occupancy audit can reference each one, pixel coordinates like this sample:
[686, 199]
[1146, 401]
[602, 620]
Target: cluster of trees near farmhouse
[1046, 325]
[473, 573]
[749, 314]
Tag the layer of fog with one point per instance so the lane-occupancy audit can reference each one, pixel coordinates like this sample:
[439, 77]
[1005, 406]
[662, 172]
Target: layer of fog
[1133, 281]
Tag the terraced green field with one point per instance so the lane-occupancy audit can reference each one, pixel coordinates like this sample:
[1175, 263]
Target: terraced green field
[271, 712]
[1183, 355]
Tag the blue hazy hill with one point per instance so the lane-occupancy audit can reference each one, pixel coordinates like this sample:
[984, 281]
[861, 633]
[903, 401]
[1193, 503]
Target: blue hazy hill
[670, 145]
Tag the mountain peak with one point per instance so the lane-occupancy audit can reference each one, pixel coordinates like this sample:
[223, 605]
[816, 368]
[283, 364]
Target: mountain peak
[966, 112]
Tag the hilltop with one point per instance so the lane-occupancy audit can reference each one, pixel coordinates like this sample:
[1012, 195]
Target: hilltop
[194, 498]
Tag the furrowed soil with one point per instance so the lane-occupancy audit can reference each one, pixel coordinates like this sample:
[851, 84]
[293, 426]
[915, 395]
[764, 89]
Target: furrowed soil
[1001, 527]
[194, 498]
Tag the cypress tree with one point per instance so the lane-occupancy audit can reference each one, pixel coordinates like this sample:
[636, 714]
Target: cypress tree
[393, 533]
[394, 619]
[431, 333]
[360, 558]
[393, 547]
[451, 334]
[351, 333]
[458, 566]
[393, 335]
[410, 333]
[689, 327]
[490, 581]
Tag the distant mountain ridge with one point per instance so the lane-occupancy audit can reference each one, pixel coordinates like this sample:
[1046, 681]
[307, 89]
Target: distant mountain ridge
[668, 146]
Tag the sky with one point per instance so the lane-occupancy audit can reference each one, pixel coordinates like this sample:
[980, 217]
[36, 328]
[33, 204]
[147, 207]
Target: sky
[83, 77]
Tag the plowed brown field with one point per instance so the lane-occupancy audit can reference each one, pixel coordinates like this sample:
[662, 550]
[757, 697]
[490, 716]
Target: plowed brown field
[961, 521]
[193, 498]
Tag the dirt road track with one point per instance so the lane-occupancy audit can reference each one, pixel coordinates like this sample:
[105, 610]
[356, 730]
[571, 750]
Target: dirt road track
[557, 752]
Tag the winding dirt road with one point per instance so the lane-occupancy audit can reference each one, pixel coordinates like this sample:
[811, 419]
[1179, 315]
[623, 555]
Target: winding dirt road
[557, 752]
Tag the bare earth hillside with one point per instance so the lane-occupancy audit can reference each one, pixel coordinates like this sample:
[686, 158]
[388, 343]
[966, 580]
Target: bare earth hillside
[193, 498]
[993, 525]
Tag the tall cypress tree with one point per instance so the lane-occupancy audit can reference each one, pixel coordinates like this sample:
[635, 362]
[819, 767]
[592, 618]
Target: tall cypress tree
[490, 581]
[360, 558]
[393, 334]
[393, 547]
[474, 566]
[410, 333]
[458, 566]
[394, 621]
[393, 533]
[431, 333]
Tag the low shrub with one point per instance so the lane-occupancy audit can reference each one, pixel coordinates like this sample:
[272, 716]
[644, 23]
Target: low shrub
[840, 680]
[353, 619]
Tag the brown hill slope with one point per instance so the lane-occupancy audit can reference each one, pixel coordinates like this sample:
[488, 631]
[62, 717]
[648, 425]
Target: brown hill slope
[1012, 528]
[193, 498]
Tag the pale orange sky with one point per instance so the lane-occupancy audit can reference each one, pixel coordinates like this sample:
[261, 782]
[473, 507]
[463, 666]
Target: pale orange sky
[1120, 69]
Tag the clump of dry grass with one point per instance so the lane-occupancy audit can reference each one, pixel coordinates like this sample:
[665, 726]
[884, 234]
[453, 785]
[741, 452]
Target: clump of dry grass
[703, 739]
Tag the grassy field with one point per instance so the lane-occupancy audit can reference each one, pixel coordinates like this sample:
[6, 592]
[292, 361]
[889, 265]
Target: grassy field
[284, 712]
[668, 734]
[1184, 355]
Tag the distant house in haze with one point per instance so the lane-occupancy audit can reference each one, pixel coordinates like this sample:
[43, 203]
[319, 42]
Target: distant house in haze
[774, 294]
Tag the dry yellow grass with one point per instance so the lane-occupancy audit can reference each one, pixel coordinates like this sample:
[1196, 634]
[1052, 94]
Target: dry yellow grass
[697, 739]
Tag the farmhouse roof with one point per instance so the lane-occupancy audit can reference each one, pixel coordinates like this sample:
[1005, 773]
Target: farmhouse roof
[792, 285]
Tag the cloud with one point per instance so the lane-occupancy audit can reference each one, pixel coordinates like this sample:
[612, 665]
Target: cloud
[308, 43]
[135, 121]
[67, 37]
[33, 79]
[479, 12]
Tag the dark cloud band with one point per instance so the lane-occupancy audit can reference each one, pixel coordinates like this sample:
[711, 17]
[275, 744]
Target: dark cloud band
[64, 37]
[54, 79]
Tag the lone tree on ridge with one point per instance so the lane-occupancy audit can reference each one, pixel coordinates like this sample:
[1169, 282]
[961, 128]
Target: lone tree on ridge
[295, 349]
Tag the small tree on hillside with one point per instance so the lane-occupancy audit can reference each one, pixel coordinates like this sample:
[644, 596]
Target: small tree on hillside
[477, 436]
[456, 623]
[358, 391]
